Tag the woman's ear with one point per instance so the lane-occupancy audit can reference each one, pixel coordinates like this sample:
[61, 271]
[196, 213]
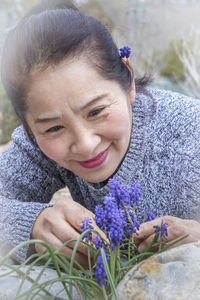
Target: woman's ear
[132, 93]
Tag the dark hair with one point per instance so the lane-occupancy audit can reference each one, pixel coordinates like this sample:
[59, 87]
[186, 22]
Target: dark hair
[54, 31]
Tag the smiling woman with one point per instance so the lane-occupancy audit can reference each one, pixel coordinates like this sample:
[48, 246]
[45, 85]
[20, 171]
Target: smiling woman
[82, 131]
[85, 119]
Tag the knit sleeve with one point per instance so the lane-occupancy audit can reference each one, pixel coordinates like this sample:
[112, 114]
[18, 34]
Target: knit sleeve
[179, 133]
[28, 180]
[188, 153]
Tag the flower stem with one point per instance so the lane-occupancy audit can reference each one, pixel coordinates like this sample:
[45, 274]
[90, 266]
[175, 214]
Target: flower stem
[145, 215]
[78, 291]
[104, 292]
[89, 262]
[112, 263]
[127, 214]
[129, 249]
[152, 243]
[160, 243]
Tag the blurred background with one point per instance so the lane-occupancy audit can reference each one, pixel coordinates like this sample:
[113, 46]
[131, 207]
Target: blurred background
[164, 36]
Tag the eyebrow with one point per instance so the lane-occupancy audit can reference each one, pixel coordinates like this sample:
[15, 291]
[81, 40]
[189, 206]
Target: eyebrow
[56, 118]
[93, 101]
[46, 120]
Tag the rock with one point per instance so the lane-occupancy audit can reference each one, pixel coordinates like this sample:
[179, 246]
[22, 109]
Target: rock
[10, 284]
[171, 275]
[3, 252]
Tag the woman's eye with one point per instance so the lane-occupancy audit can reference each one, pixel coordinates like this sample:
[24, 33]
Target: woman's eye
[95, 112]
[54, 129]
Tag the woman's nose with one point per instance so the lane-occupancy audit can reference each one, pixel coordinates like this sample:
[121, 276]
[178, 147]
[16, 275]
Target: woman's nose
[85, 142]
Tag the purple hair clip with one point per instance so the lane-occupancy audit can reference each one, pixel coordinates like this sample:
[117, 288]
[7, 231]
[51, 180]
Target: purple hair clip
[125, 52]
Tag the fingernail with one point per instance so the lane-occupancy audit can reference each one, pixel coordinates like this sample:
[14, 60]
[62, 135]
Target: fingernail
[140, 231]
[141, 249]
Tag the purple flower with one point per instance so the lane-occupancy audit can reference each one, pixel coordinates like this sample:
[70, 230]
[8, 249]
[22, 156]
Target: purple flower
[134, 226]
[100, 217]
[99, 244]
[114, 221]
[123, 194]
[163, 229]
[100, 272]
[111, 219]
[86, 224]
[125, 52]
[119, 192]
[149, 214]
[135, 193]
[116, 216]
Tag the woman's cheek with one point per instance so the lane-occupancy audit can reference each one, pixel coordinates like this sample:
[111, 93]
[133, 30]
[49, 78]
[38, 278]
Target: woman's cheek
[51, 148]
[118, 126]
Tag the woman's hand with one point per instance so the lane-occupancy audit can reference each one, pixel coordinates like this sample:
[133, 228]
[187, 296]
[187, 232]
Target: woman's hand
[60, 223]
[176, 228]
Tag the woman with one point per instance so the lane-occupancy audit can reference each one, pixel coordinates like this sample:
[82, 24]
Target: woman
[85, 119]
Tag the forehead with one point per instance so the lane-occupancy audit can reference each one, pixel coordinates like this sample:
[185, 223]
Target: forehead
[69, 82]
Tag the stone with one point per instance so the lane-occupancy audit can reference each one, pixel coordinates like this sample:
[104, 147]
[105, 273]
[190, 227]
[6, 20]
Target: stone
[171, 275]
[10, 284]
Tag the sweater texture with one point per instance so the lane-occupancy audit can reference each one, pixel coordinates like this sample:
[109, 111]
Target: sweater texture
[163, 157]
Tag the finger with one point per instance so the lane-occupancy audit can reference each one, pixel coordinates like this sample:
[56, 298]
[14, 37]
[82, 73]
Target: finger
[56, 197]
[77, 214]
[174, 232]
[147, 229]
[64, 232]
[144, 245]
[79, 257]
[143, 233]
[56, 244]
[150, 234]
[40, 248]
[48, 238]
[185, 240]
[51, 240]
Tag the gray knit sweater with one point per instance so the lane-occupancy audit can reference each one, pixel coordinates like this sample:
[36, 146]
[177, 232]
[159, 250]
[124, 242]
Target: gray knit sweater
[164, 157]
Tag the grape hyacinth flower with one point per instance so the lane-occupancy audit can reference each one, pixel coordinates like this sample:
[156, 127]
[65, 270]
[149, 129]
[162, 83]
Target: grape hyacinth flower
[111, 219]
[119, 192]
[135, 193]
[99, 244]
[147, 214]
[117, 214]
[100, 272]
[133, 226]
[87, 224]
[127, 198]
[117, 218]
[123, 194]
[163, 229]
[125, 52]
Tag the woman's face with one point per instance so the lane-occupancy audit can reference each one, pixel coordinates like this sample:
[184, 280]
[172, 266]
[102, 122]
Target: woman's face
[80, 120]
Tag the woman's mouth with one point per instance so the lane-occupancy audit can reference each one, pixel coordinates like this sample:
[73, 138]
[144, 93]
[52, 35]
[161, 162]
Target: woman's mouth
[95, 161]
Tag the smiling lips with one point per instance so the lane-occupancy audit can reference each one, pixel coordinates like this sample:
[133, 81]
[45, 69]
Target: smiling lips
[95, 161]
